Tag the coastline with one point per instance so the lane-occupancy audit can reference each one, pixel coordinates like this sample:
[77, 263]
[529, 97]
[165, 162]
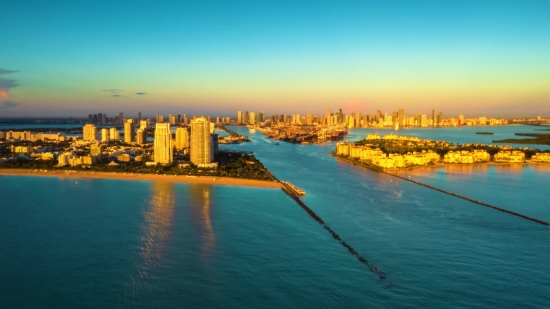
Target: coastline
[438, 165]
[228, 181]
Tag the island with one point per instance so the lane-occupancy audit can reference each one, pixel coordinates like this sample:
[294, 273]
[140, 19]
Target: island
[485, 133]
[539, 139]
[393, 152]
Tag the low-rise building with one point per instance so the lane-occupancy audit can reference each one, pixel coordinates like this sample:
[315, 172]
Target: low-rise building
[507, 156]
[541, 157]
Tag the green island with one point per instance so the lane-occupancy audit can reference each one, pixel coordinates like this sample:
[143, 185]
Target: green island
[393, 152]
[539, 139]
[485, 133]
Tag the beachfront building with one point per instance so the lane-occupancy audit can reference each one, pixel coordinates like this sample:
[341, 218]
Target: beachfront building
[89, 132]
[507, 156]
[129, 131]
[164, 153]
[182, 138]
[201, 142]
[541, 157]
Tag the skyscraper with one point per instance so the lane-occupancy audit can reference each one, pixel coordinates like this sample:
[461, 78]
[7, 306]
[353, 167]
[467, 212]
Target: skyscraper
[200, 141]
[434, 118]
[129, 131]
[164, 154]
[239, 117]
[402, 118]
[139, 117]
[141, 136]
[89, 132]
[252, 119]
[120, 118]
[114, 135]
[105, 135]
[182, 138]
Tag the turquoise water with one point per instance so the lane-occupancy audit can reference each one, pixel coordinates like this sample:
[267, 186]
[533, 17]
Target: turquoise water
[112, 243]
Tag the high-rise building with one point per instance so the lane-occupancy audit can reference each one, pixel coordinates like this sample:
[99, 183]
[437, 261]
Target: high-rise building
[90, 118]
[200, 141]
[440, 118]
[185, 119]
[423, 121]
[182, 138]
[401, 116]
[434, 118]
[141, 136]
[120, 118]
[89, 132]
[105, 135]
[95, 119]
[239, 117]
[114, 135]
[139, 117]
[252, 119]
[328, 117]
[164, 153]
[309, 119]
[129, 131]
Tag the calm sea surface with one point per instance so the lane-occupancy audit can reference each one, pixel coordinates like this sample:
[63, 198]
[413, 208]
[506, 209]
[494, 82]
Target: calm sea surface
[69, 243]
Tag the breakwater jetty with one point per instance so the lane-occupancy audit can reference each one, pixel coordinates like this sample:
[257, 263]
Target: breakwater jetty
[235, 134]
[447, 192]
[469, 199]
[381, 275]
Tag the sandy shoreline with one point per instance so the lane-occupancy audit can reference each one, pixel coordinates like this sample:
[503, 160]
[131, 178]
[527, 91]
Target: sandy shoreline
[147, 177]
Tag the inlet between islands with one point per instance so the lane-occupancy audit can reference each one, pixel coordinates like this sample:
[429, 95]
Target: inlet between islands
[212, 180]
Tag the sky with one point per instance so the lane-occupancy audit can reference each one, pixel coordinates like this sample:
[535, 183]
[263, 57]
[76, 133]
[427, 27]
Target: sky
[74, 58]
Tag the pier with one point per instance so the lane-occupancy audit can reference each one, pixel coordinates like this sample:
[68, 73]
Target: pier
[295, 197]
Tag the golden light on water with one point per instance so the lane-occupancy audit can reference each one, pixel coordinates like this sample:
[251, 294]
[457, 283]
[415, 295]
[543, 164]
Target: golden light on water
[157, 227]
[201, 213]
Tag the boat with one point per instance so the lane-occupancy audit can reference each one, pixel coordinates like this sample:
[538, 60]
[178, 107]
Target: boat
[293, 188]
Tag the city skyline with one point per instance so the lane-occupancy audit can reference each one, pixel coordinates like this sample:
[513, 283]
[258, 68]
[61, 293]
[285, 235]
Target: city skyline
[463, 57]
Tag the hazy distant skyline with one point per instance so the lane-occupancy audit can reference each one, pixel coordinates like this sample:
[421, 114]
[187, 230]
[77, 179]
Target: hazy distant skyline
[75, 58]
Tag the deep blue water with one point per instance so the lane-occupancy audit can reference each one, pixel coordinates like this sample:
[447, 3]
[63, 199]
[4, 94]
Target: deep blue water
[113, 243]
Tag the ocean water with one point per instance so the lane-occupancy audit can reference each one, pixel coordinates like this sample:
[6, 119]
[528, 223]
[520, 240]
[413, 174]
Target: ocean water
[120, 244]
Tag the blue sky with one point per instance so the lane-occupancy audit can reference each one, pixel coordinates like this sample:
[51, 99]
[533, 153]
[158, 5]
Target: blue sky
[471, 57]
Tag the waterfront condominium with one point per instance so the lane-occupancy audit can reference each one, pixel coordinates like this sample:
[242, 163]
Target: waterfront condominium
[105, 135]
[164, 154]
[200, 141]
[89, 132]
[182, 138]
[129, 131]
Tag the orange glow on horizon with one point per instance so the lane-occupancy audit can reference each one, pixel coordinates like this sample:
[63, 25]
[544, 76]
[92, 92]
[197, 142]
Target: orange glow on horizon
[4, 94]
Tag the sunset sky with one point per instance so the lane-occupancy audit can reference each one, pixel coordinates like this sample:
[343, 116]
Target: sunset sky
[73, 58]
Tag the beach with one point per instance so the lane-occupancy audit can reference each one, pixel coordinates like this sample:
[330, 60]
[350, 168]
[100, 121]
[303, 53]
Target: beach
[212, 180]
